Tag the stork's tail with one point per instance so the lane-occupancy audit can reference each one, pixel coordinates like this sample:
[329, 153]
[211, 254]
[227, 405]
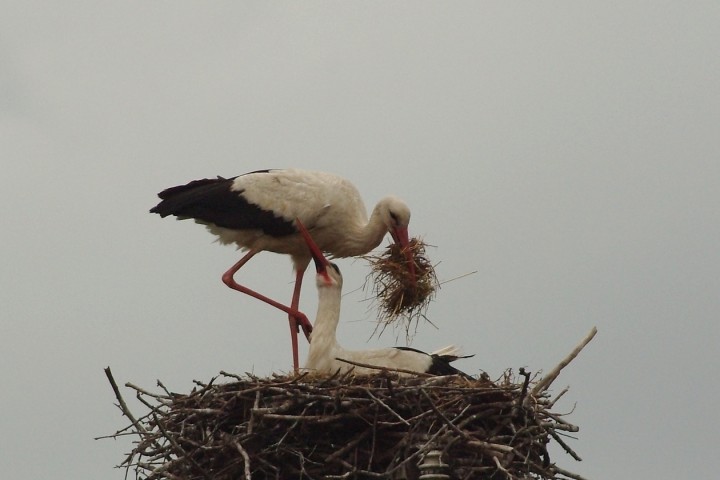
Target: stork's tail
[450, 353]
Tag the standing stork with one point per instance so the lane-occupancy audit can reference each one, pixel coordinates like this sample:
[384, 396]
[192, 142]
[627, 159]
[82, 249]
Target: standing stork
[326, 355]
[257, 211]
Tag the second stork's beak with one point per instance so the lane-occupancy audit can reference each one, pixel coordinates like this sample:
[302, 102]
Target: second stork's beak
[401, 237]
[321, 263]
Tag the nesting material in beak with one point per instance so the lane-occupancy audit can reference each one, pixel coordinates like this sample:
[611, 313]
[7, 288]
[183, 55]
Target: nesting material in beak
[403, 292]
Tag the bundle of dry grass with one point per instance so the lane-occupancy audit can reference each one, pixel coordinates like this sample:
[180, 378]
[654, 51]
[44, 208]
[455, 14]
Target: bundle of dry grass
[392, 285]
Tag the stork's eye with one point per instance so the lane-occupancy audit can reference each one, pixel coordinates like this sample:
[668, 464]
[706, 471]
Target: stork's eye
[335, 267]
[394, 217]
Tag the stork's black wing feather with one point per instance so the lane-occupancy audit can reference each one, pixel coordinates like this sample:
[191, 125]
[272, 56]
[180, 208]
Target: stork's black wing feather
[440, 364]
[212, 201]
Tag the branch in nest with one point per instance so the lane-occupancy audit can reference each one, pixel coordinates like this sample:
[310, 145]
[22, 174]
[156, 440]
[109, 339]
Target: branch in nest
[385, 369]
[123, 406]
[547, 380]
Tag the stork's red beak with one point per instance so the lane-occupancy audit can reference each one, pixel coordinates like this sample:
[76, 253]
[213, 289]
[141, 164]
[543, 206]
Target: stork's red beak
[321, 263]
[401, 237]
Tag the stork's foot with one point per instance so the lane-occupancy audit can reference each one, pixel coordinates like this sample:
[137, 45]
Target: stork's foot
[303, 322]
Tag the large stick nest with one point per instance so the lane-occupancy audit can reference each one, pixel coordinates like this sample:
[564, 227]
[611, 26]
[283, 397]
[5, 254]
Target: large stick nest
[381, 426]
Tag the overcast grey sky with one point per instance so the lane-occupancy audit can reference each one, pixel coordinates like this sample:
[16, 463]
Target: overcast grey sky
[566, 151]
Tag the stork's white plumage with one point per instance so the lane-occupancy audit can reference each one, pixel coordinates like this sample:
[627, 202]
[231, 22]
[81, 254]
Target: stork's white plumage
[326, 355]
[257, 211]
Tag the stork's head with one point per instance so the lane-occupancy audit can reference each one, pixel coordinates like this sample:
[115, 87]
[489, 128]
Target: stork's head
[396, 215]
[328, 274]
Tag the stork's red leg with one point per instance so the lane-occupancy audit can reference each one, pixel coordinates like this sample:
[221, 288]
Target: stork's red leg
[296, 317]
[295, 306]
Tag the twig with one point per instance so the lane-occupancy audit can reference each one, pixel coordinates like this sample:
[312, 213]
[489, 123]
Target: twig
[374, 440]
[123, 405]
[545, 382]
[561, 426]
[167, 392]
[526, 382]
[306, 418]
[443, 417]
[557, 397]
[562, 471]
[246, 459]
[501, 468]
[385, 369]
[256, 405]
[347, 448]
[231, 375]
[556, 417]
[564, 445]
[386, 407]
[491, 446]
[161, 398]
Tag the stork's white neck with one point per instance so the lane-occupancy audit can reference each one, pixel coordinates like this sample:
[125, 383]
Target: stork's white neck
[323, 341]
[375, 230]
[366, 236]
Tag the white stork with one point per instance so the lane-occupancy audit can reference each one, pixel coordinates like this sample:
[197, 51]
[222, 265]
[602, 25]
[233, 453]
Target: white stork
[257, 211]
[326, 354]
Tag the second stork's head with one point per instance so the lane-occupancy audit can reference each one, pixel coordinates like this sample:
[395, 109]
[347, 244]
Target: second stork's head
[328, 274]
